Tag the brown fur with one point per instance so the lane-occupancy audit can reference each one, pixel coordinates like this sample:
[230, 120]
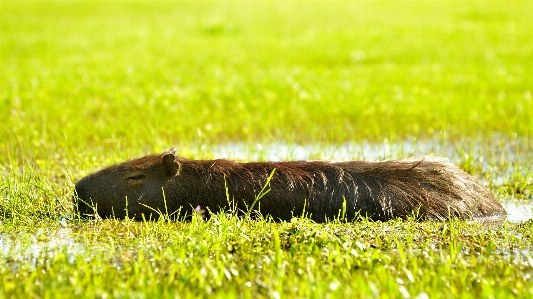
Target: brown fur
[428, 187]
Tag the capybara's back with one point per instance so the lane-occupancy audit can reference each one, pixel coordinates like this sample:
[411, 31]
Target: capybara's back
[428, 188]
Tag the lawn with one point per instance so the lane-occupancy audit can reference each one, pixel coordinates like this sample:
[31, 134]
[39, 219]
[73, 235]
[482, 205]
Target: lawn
[84, 84]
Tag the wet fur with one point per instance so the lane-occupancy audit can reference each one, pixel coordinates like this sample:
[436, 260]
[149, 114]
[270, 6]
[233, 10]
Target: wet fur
[428, 187]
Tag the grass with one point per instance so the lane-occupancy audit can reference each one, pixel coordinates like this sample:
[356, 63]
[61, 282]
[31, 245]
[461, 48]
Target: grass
[89, 83]
[229, 256]
[297, 71]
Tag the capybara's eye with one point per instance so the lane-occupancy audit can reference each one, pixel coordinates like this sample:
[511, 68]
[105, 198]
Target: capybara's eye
[136, 177]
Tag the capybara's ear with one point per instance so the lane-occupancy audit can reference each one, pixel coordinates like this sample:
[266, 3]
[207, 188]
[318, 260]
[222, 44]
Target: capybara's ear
[170, 163]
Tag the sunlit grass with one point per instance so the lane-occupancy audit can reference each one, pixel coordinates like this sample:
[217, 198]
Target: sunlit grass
[229, 256]
[84, 84]
[154, 73]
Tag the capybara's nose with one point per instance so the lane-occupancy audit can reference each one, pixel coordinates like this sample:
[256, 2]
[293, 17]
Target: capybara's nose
[81, 197]
[80, 190]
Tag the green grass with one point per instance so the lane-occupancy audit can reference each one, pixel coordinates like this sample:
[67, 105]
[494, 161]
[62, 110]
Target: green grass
[84, 84]
[264, 70]
[228, 256]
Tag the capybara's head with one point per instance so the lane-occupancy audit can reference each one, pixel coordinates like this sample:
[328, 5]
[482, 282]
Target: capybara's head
[128, 189]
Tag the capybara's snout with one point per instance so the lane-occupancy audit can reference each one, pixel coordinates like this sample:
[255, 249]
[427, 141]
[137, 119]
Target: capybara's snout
[82, 198]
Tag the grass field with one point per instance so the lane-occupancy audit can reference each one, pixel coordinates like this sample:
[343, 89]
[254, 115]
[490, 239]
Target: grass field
[84, 84]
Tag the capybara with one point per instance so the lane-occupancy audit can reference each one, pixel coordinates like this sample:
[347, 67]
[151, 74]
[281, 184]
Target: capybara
[427, 188]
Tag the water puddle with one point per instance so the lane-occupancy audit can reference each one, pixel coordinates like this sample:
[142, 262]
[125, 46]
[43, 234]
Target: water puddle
[518, 210]
[34, 247]
[513, 150]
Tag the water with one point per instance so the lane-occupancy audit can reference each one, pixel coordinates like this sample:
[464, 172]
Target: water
[486, 152]
[44, 243]
[518, 210]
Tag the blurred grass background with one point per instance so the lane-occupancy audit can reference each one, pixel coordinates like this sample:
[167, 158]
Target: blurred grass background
[85, 75]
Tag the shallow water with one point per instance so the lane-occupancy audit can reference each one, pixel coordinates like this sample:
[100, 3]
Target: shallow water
[44, 243]
[510, 150]
[518, 210]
